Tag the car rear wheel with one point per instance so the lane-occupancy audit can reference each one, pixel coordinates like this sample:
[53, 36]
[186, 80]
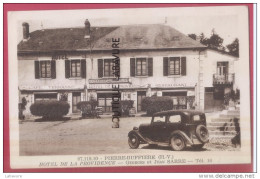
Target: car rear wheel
[202, 133]
[177, 142]
[133, 141]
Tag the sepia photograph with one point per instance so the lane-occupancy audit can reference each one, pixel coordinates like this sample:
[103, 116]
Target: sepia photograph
[129, 87]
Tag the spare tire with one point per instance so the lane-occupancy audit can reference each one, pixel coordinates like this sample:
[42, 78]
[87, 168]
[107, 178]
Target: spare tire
[202, 133]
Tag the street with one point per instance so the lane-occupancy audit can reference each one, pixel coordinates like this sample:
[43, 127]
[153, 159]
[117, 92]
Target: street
[90, 136]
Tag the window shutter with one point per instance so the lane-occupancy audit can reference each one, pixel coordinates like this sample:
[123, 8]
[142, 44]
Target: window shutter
[83, 68]
[53, 69]
[37, 69]
[100, 68]
[183, 66]
[165, 66]
[132, 66]
[67, 69]
[150, 66]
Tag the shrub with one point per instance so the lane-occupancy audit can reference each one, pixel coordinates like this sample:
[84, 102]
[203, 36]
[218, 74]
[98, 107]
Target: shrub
[156, 104]
[87, 108]
[21, 107]
[125, 106]
[50, 109]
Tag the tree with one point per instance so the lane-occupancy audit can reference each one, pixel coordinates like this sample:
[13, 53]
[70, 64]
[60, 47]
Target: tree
[233, 48]
[193, 36]
[203, 39]
[215, 41]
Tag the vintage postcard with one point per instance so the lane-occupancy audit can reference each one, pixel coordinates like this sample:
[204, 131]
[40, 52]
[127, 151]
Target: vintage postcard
[117, 87]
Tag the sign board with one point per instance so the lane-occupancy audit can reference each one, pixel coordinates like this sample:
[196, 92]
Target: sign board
[108, 81]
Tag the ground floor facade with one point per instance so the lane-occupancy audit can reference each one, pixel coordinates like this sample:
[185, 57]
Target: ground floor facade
[184, 97]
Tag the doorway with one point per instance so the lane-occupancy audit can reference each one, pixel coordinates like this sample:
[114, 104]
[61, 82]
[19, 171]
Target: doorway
[76, 98]
[140, 96]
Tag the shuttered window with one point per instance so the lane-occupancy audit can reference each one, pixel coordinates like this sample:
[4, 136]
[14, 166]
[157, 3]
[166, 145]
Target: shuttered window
[75, 68]
[108, 68]
[174, 66]
[45, 69]
[141, 66]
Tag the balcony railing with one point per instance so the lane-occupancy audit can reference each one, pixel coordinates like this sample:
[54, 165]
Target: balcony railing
[227, 79]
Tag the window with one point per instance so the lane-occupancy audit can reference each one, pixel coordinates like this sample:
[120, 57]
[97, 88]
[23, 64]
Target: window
[108, 68]
[174, 66]
[45, 96]
[141, 67]
[158, 119]
[45, 69]
[196, 118]
[75, 68]
[175, 119]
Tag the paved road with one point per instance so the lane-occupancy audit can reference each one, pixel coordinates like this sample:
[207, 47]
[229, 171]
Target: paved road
[87, 136]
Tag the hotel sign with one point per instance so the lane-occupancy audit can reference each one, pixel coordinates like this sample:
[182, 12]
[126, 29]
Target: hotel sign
[109, 81]
[60, 87]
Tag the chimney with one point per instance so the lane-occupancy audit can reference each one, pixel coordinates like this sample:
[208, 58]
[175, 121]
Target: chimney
[87, 29]
[25, 31]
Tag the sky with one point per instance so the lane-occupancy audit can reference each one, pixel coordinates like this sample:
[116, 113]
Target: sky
[224, 20]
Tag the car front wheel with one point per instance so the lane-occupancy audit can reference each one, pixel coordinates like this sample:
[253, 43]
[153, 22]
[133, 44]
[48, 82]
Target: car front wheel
[133, 141]
[177, 142]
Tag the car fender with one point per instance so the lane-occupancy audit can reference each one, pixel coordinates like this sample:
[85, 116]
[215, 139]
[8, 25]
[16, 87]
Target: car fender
[186, 138]
[136, 132]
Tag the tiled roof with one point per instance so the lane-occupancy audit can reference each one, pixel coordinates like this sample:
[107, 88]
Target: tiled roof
[153, 36]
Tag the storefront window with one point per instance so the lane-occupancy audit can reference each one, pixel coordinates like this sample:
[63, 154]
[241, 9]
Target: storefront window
[45, 96]
[105, 101]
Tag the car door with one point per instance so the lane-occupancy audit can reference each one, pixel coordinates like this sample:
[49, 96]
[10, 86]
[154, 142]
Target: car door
[174, 122]
[157, 128]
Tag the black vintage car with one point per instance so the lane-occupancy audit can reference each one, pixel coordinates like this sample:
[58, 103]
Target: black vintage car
[176, 128]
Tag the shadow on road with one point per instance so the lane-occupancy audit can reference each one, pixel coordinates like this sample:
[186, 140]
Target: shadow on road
[158, 147]
[52, 119]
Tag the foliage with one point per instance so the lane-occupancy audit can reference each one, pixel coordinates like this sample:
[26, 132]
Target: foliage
[190, 101]
[64, 97]
[50, 109]
[233, 48]
[21, 107]
[125, 106]
[193, 36]
[214, 42]
[156, 104]
[88, 108]
[232, 95]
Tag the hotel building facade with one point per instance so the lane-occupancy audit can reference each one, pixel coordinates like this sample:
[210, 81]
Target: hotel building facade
[155, 59]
